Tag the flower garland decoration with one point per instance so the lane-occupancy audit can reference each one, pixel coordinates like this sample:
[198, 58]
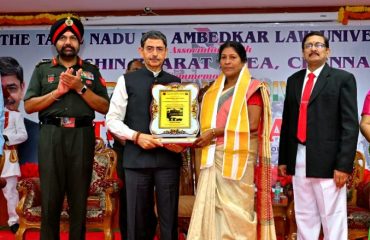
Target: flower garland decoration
[355, 12]
[39, 19]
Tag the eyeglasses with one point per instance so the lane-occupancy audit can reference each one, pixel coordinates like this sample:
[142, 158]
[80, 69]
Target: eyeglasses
[318, 45]
[151, 49]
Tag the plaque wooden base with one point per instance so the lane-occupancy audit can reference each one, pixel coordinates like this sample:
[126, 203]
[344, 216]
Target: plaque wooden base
[178, 141]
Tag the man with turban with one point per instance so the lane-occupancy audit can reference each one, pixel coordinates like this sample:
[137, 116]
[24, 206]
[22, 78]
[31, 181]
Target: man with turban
[66, 91]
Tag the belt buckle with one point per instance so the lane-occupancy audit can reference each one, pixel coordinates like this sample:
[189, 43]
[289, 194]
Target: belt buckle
[68, 122]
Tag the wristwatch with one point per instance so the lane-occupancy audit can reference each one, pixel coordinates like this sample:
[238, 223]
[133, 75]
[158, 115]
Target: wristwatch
[83, 90]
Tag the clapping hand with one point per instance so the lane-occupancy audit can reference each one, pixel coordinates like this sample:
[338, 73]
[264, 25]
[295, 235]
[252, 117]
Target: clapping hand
[71, 81]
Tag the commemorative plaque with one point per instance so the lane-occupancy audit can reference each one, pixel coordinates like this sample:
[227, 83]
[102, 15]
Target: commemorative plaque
[174, 112]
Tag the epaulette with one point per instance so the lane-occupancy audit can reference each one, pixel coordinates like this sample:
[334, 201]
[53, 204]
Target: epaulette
[88, 62]
[43, 61]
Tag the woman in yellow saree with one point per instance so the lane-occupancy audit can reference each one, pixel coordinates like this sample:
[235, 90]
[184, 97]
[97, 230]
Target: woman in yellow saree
[235, 125]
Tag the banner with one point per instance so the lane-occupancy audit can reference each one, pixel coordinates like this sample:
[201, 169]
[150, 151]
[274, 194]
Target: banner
[274, 53]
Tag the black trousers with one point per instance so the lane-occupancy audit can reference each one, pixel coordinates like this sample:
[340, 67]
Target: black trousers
[140, 185]
[118, 148]
[65, 167]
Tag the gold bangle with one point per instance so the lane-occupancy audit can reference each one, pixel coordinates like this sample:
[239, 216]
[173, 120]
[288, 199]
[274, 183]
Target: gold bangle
[213, 132]
[52, 95]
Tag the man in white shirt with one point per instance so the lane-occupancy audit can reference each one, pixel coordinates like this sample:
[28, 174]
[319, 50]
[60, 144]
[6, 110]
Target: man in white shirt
[318, 141]
[146, 163]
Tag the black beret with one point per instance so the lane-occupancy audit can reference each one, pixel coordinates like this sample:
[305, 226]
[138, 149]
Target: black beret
[62, 25]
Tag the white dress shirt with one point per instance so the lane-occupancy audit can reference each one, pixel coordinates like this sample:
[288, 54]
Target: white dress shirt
[300, 166]
[117, 111]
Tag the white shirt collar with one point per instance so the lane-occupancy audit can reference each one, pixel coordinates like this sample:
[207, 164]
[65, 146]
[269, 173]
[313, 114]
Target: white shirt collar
[316, 72]
[155, 74]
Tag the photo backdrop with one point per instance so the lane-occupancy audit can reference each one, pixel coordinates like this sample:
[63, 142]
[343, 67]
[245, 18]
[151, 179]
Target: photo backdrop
[274, 53]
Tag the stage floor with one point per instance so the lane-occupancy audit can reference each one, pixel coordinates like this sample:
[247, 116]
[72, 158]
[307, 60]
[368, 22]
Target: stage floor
[34, 235]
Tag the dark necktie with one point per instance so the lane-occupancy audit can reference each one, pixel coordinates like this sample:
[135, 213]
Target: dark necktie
[302, 119]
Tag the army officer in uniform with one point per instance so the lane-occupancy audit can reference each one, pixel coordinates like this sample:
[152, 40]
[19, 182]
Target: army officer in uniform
[66, 92]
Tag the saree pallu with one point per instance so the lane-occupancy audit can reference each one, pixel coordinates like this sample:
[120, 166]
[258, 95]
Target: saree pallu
[224, 208]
